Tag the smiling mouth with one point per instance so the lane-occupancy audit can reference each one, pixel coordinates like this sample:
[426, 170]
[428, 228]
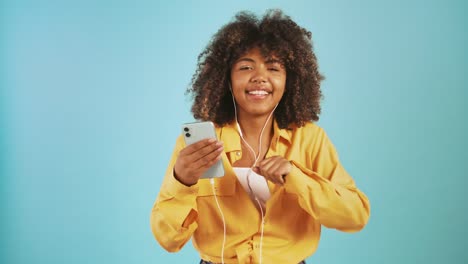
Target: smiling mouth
[258, 92]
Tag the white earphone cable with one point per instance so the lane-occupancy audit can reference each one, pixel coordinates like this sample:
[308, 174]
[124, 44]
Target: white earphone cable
[222, 217]
[256, 158]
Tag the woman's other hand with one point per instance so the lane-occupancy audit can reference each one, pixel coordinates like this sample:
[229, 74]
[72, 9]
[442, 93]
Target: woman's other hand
[274, 169]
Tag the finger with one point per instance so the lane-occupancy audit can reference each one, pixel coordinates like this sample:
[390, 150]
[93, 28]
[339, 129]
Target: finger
[269, 160]
[207, 151]
[274, 169]
[193, 155]
[189, 149]
[256, 169]
[213, 161]
[266, 165]
[196, 169]
[281, 169]
[269, 176]
[284, 170]
[263, 164]
[187, 162]
[281, 173]
[206, 161]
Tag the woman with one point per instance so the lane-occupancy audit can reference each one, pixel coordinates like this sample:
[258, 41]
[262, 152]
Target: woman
[258, 81]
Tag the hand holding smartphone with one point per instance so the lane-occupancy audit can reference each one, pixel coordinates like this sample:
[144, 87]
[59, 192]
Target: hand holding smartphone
[200, 152]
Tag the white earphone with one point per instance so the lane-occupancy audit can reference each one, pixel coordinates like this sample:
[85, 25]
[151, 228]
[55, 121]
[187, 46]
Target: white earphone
[256, 158]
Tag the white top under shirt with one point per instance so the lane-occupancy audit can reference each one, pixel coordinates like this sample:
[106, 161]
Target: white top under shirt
[258, 184]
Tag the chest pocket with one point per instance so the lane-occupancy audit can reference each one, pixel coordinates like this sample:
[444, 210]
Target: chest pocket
[224, 186]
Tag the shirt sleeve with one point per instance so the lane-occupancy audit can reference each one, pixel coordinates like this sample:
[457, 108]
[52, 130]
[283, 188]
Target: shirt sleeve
[174, 213]
[326, 191]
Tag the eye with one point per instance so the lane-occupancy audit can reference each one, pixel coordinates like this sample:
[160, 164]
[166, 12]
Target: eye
[275, 66]
[245, 67]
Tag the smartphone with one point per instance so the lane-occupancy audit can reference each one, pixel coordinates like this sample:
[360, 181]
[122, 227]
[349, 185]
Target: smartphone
[196, 131]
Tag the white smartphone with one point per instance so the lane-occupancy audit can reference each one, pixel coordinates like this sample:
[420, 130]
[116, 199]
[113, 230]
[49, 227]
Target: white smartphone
[196, 131]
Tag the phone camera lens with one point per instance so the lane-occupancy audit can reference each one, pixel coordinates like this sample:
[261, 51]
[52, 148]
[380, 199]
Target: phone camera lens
[186, 129]
[187, 134]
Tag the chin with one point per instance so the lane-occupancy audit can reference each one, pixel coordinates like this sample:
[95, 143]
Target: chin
[262, 112]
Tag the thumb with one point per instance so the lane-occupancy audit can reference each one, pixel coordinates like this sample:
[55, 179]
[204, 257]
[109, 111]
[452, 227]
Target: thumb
[256, 169]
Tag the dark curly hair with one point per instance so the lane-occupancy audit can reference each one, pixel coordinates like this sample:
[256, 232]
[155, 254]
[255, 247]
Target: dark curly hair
[275, 34]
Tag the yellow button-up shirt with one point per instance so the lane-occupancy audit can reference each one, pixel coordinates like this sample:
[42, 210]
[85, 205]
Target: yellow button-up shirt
[318, 191]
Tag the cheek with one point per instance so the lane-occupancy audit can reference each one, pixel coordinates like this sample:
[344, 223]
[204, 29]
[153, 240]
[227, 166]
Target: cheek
[280, 84]
[279, 94]
[237, 92]
[236, 82]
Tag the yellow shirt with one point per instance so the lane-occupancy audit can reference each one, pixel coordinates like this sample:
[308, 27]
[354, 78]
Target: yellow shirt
[318, 191]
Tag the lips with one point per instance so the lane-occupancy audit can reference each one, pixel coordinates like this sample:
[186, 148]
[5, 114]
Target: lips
[258, 92]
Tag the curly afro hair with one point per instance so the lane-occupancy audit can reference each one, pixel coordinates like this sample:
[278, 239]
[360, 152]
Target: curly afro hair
[275, 34]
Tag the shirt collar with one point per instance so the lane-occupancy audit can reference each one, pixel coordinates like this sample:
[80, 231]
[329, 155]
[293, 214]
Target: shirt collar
[230, 136]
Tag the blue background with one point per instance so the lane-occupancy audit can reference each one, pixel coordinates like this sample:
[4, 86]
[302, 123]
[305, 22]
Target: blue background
[92, 98]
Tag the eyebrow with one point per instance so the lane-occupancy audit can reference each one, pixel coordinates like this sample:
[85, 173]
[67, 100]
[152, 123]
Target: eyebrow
[245, 59]
[268, 61]
[272, 60]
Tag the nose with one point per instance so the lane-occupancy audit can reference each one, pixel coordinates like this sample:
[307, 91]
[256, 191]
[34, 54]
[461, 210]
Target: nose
[259, 75]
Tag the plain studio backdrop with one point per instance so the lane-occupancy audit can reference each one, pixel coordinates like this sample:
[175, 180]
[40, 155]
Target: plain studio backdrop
[92, 100]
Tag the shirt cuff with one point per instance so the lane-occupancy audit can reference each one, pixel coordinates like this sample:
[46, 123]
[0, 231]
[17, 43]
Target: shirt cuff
[299, 182]
[292, 180]
[177, 189]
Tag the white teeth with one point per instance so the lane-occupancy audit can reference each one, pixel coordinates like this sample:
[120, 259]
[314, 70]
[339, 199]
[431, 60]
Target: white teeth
[258, 92]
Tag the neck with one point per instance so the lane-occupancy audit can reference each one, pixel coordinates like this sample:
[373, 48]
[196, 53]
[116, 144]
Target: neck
[252, 130]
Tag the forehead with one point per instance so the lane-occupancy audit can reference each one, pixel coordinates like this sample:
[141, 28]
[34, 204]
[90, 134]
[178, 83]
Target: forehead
[257, 53]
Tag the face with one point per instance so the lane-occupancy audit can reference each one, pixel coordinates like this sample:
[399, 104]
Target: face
[257, 83]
